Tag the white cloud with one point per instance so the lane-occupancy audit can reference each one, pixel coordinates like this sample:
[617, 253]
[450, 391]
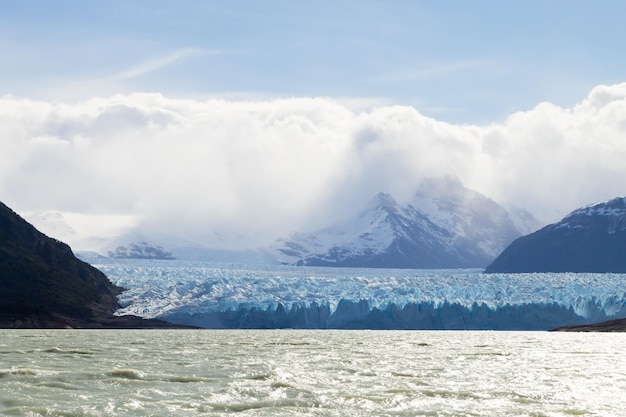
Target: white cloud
[243, 172]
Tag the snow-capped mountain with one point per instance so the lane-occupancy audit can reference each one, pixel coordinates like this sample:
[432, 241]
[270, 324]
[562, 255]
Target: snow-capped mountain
[444, 225]
[158, 246]
[589, 239]
[141, 250]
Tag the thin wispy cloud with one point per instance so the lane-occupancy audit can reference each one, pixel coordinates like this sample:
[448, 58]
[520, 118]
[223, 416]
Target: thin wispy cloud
[481, 59]
[162, 62]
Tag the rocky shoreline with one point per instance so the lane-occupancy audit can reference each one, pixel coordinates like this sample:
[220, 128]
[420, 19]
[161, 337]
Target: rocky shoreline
[58, 321]
[618, 325]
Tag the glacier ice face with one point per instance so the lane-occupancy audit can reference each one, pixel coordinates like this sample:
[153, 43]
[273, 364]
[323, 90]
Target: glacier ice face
[229, 295]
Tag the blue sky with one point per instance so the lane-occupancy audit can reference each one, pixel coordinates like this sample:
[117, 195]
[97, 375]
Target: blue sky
[458, 61]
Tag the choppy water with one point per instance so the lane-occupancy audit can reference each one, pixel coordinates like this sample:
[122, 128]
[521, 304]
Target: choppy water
[310, 373]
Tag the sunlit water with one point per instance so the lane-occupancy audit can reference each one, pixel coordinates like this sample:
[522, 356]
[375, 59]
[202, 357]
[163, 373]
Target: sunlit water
[310, 373]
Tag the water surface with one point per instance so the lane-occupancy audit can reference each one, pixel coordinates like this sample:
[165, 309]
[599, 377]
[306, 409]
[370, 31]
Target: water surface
[310, 373]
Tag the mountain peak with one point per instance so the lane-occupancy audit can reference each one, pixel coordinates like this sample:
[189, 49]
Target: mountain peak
[444, 226]
[613, 207]
[381, 200]
[610, 213]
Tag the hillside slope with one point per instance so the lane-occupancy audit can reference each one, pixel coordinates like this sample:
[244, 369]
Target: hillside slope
[589, 239]
[44, 285]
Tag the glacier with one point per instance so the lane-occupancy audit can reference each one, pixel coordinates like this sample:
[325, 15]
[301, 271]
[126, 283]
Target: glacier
[229, 295]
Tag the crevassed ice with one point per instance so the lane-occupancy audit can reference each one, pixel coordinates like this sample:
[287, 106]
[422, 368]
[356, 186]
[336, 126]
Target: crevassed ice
[161, 288]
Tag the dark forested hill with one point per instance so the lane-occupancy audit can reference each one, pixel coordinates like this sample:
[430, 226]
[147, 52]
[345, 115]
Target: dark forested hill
[42, 283]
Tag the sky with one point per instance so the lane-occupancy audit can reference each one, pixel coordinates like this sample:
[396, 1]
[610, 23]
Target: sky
[234, 122]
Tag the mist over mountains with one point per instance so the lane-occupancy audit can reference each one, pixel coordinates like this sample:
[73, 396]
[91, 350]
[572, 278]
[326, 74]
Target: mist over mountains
[444, 225]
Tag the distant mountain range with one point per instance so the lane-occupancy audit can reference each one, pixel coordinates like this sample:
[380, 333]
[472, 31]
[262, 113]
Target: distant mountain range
[141, 250]
[589, 239]
[444, 225]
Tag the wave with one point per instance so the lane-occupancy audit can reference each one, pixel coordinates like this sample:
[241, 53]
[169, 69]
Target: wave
[127, 374]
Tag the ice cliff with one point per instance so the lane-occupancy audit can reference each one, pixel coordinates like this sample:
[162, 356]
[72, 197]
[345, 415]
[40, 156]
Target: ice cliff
[237, 296]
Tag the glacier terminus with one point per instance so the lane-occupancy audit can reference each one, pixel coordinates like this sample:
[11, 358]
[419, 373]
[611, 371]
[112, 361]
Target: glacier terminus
[224, 295]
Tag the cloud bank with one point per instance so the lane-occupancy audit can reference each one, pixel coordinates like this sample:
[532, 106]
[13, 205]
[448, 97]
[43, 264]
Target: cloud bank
[240, 173]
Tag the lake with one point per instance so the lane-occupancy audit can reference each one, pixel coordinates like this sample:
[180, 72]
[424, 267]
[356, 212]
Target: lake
[310, 373]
